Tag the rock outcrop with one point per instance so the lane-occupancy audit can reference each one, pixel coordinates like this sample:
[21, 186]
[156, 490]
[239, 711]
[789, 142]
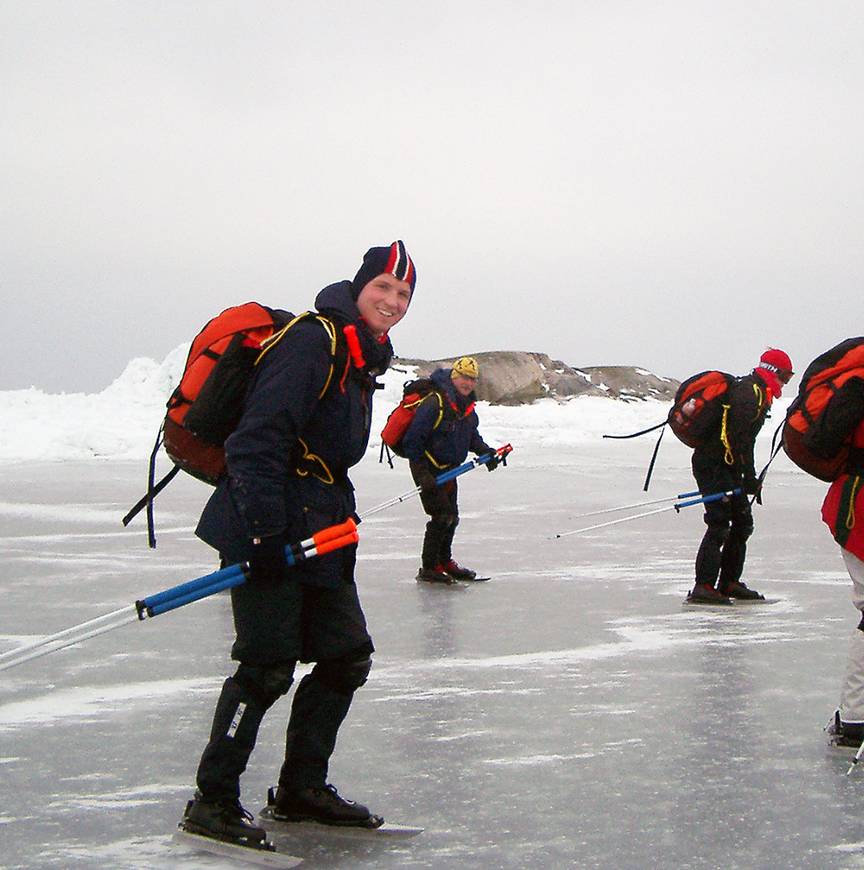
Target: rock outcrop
[518, 377]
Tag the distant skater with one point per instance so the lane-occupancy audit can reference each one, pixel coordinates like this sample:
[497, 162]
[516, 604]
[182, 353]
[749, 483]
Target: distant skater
[725, 462]
[444, 429]
[305, 422]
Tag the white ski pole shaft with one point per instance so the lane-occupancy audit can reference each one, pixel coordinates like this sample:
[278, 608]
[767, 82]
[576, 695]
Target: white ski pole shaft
[670, 507]
[74, 631]
[627, 507]
[856, 759]
[702, 499]
[21, 656]
[396, 500]
[441, 479]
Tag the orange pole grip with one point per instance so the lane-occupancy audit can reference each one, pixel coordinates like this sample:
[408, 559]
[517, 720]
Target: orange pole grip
[336, 544]
[333, 532]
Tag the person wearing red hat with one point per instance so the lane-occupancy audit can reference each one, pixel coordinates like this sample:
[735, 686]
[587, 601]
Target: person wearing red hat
[726, 463]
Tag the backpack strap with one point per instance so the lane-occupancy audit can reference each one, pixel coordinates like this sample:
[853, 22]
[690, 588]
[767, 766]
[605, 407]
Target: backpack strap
[332, 334]
[650, 471]
[152, 491]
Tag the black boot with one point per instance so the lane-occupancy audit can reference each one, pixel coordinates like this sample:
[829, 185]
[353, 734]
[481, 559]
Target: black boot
[457, 572]
[702, 593]
[845, 733]
[224, 820]
[317, 712]
[740, 591]
[319, 804]
[434, 575]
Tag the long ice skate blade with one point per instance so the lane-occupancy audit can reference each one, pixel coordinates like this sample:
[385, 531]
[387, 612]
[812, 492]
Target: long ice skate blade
[249, 854]
[388, 829]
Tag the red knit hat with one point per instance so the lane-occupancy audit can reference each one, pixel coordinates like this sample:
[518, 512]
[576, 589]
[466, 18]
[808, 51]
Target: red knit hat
[775, 360]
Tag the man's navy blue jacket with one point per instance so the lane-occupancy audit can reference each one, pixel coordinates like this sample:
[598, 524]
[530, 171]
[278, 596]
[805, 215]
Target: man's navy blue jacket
[446, 445]
[291, 442]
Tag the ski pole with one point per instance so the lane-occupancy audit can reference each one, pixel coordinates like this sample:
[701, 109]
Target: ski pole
[325, 541]
[638, 504]
[856, 759]
[707, 499]
[91, 628]
[322, 542]
[319, 544]
[293, 553]
[150, 607]
[445, 476]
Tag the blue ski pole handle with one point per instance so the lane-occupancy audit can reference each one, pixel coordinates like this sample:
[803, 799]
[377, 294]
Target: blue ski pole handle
[319, 544]
[227, 581]
[453, 473]
[222, 578]
[232, 576]
[707, 499]
[226, 578]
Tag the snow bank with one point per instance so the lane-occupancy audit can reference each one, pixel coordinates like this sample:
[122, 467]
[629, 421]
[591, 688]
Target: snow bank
[121, 422]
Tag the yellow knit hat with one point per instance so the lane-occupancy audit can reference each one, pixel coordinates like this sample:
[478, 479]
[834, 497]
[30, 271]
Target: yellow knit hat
[467, 367]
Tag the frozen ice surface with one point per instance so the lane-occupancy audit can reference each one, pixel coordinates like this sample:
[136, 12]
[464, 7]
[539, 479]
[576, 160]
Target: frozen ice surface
[569, 713]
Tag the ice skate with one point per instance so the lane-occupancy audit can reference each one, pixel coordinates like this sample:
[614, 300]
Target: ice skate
[702, 593]
[321, 804]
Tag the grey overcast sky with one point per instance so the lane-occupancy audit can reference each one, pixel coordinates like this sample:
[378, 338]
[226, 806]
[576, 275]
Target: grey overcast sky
[674, 185]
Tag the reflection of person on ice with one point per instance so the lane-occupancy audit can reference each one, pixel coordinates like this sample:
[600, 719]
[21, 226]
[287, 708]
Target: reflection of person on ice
[305, 423]
[725, 462]
[442, 432]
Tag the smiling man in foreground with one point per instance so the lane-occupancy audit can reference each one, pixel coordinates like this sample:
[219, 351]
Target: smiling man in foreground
[305, 422]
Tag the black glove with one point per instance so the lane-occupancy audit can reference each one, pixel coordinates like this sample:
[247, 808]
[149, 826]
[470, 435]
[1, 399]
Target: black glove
[423, 476]
[267, 563]
[494, 459]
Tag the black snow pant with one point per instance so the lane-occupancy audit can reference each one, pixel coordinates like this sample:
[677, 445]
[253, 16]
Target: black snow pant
[442, 508]
[295, 622]
[723, 549]
[321, 702]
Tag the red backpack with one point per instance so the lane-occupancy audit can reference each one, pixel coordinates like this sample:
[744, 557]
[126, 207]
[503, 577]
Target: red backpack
[207, 404]
[697, 413]
[810, 436]
[696, 416]
[399, 419]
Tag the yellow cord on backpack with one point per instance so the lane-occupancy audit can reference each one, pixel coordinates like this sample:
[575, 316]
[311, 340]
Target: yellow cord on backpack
[760, 398]
[329, 327]
[728, 456]
[436, 424]
[850, 514]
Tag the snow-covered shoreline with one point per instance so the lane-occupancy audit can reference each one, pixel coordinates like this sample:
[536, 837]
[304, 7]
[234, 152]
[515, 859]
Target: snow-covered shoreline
[121, 421]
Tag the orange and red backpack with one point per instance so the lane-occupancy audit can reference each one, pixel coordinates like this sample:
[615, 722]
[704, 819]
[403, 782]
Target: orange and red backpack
[399, 419]
[825, 385]
[207, 403]
[697, 413]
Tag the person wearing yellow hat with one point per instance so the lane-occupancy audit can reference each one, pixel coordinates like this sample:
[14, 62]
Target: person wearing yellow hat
[443, 431]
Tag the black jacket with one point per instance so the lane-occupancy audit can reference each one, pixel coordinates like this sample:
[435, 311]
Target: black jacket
[305, 422]
[749, 400]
